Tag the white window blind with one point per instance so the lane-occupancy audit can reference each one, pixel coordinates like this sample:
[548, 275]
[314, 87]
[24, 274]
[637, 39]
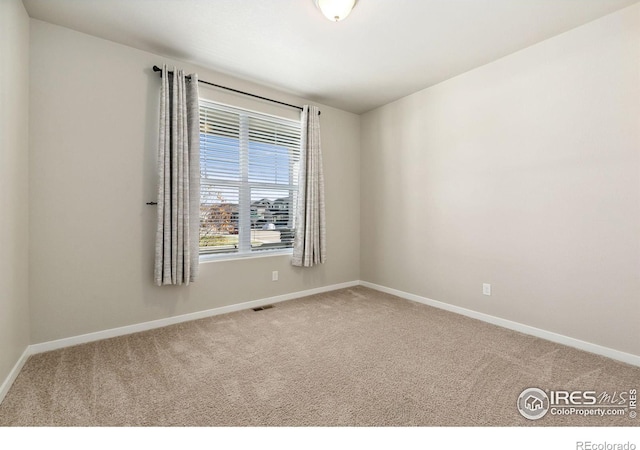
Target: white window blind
[249, 173]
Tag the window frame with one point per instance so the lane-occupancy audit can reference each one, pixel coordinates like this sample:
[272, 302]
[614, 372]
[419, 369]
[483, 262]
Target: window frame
[244, 248]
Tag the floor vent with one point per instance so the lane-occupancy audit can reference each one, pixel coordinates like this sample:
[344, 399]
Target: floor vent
[260, 308]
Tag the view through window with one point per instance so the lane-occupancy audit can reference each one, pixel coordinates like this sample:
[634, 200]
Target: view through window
[249, 166]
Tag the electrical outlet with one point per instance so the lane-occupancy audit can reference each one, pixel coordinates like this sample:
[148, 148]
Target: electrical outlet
[274, 275]
[486, 289]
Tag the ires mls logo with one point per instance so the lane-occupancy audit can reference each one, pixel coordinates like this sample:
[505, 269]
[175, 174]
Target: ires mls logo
[534, 403]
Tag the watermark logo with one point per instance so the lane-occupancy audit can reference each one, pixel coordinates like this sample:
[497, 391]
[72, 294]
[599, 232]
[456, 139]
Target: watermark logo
[588, 445]
[533, 403]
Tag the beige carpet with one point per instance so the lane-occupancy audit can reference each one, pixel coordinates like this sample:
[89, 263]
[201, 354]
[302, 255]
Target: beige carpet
[350, 357]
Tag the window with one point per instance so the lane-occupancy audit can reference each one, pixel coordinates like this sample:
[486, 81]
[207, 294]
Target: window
[249, 174]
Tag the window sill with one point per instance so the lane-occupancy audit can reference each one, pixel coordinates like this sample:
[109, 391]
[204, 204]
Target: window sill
[241, 256]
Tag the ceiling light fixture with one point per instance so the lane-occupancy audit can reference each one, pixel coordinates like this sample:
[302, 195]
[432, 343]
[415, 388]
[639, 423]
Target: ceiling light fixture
[335, 10]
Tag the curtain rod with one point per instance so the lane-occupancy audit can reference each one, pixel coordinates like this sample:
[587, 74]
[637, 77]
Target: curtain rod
[158, 69]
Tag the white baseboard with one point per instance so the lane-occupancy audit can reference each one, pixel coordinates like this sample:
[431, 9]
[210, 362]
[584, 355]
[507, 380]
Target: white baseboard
[6, 385]
[144, 326]
[516, 326]
[121, 331]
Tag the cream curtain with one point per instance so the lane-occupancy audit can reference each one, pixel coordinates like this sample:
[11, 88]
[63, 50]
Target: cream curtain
[309, 246]
[176, 260]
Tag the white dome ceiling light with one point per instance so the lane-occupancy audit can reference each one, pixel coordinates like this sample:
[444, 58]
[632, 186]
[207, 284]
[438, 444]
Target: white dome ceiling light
[335, 10]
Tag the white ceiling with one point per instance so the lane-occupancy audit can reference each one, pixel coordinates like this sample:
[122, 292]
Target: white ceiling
[384, 50]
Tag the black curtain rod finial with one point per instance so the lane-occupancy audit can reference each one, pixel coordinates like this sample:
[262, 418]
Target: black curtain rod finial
[158, 69]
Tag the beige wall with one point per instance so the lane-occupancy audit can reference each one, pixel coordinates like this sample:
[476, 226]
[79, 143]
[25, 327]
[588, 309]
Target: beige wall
[93, 135]
[14, 135]
[524, 173]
